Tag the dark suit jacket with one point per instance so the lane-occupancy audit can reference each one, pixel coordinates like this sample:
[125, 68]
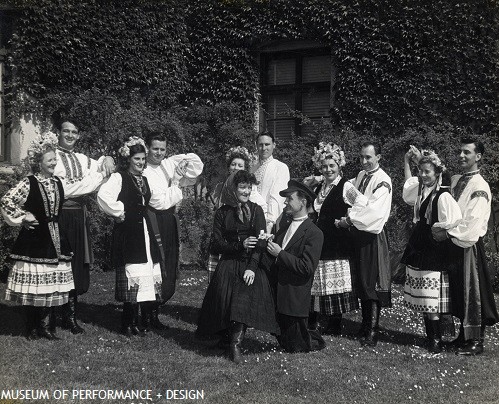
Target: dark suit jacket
[295, 266]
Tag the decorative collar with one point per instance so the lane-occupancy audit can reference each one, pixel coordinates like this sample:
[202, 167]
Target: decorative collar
[267, 160]
[300, 219]
[65, 150]
[43, 179]
[372, 171]
[471, 173]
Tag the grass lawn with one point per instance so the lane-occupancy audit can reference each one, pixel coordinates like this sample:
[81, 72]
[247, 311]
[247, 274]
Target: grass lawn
[398, 370]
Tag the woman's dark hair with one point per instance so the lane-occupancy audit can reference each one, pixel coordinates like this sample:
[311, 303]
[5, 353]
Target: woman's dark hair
[244, 177]
[238, 155]
[124, 162]
[154, 136]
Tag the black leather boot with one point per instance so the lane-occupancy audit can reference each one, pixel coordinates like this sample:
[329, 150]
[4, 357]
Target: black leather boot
[371, 338]
[146, 314]
[155, 322]
[237, 331]
[334, 325]
[126, 320]
[433, 335]
[366, 313]
[473, 346]
[44, 325]
[70, 322]
[313, 320]
[32, 320]
[135, 326]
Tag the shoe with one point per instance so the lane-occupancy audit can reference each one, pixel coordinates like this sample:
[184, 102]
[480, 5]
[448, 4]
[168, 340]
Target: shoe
[371, 338]
[69, 321]
[126, 320]
[433, 335]
[237, 331]
[146, 312]
[471, 348]
[134, 326]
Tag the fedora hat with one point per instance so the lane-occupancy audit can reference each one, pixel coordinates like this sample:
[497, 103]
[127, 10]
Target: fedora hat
[294, 185]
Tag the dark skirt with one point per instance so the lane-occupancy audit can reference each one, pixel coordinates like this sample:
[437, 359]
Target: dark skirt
[228, 299]
[168, 230]
[295, 335]
[72, 223]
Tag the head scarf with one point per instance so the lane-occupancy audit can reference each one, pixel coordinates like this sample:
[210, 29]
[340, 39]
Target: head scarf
[229, 197]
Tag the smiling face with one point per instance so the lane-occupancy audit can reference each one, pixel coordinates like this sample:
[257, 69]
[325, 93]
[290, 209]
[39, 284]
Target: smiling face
[427, 174]
[330, 170]
[68, 135]
[236, 165]
[137, 163]
[48, 163]
[265, 146]
[469, 158]
[368, 158]
[243, 192]
[157, 152]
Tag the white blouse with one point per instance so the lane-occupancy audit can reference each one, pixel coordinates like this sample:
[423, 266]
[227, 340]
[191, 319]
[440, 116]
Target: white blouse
[449, 213]
[107, 197]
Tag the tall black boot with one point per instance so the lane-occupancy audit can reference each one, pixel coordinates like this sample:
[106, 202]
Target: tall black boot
[44, 325]
[126, 319]
[32, 320]
[433, 334]
[473, 346]
[371, 338]
[366, 314]
[334, 325]
[237, 331]
[146, 314]
[70, 316]
[135, 327]
[155, 322]
[313, 320]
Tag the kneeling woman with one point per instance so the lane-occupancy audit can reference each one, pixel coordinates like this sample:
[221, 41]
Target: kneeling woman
[239, 295]
[427, 281]
[135, 255]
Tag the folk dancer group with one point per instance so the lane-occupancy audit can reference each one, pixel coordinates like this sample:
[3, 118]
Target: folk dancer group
[280, 267]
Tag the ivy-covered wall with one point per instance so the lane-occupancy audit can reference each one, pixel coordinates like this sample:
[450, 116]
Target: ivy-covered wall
[407, 71]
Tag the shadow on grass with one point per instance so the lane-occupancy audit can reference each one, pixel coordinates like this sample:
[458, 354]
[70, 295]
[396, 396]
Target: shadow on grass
[187, 314]
[107, 315]
[13, 320]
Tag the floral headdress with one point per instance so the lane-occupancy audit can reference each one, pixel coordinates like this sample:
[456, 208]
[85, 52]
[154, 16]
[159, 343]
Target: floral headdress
[433, 157]
[326, 150]
[39, 145]
[132, 141]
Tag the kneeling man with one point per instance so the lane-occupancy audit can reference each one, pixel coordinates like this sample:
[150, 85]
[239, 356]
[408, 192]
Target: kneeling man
[296, 247]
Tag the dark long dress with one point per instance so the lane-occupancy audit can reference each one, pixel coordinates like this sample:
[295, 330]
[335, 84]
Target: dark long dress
[228, 298]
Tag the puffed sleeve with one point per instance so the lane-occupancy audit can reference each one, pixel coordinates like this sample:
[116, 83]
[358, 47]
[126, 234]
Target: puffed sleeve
[163, 196]
[449, 214]
[410, 191]
[474, 222]
[372, 217]
[353, 197]
[12, 202]
[107, 197]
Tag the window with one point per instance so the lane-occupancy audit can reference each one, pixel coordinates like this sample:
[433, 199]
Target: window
[295, 81]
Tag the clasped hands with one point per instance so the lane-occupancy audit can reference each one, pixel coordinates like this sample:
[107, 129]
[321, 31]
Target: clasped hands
[29, 222]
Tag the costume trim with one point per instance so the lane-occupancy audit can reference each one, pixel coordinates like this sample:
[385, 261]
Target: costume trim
[478, 194]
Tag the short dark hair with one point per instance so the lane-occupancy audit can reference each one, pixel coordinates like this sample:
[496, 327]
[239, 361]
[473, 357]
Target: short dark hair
[479, 147]
[244, 177]
[266, 133]
[151, 136]
[376, 145]
[303, 195]
[124, 162]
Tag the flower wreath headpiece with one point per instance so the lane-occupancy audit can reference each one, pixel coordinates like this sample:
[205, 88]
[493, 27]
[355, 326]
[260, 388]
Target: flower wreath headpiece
[433, 157]
[327, 150]
[132, 141]
[39, 145]
[239, 150]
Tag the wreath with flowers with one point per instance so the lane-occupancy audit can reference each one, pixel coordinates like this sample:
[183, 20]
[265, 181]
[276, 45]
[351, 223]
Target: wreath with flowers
[124, 150]
[40, 145]
[240, 150]
[433, 158]
[326, 150]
